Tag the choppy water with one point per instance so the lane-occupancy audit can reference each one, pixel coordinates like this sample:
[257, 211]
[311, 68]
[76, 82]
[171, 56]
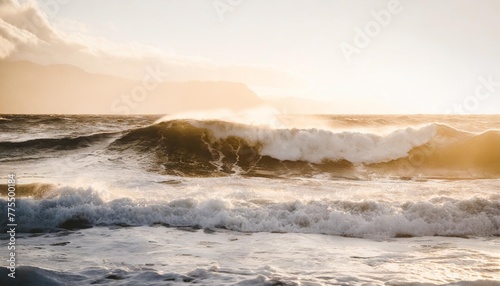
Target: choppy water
[291, 200]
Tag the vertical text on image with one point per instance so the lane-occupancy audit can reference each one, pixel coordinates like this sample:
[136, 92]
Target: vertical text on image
[11, 224]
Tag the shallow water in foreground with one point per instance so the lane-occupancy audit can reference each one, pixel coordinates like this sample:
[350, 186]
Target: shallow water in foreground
[171, 256]
[339, 200]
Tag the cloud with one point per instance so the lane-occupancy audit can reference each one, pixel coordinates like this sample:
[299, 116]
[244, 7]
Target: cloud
[27, 34]
[14, 31]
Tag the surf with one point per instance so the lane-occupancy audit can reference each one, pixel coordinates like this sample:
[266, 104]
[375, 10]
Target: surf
[213, 147]
[352, 147]
[77, 208]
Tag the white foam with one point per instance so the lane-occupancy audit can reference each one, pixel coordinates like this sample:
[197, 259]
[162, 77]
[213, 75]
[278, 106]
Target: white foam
[316, 145]
[476, 216]
[159, 256]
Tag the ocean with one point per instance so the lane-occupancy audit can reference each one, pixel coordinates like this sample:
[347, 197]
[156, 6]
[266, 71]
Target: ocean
[253, 199]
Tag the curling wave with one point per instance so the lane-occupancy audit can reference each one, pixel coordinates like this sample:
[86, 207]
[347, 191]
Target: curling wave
[187, 147]
[207, 148]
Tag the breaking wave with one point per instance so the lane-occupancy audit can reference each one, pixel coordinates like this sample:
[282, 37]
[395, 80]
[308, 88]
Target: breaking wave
[71, 208]
[186, 147]
[198, 148]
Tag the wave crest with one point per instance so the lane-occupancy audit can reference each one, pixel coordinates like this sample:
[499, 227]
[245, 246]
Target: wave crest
[210, 146]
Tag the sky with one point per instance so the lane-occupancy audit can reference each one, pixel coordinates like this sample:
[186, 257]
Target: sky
[373, 56]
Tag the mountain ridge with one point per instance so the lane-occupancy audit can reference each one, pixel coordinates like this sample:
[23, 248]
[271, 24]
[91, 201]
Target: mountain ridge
[27, 87]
